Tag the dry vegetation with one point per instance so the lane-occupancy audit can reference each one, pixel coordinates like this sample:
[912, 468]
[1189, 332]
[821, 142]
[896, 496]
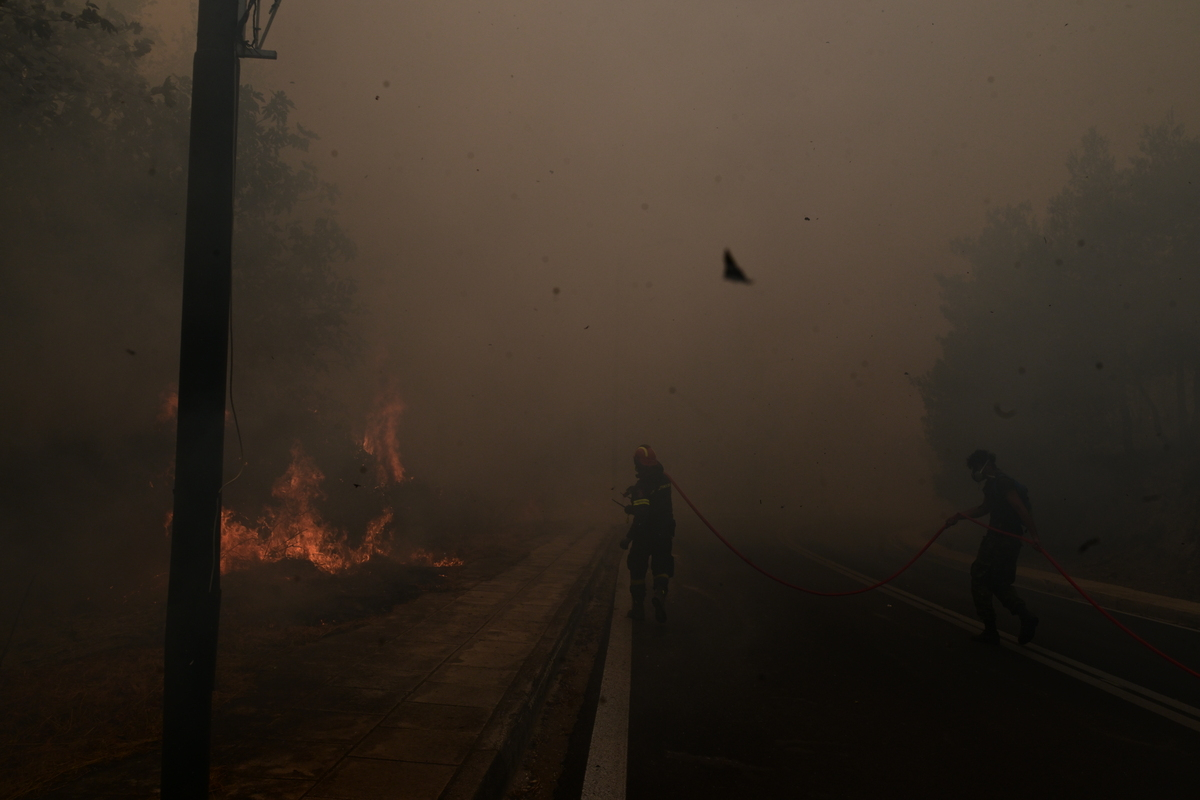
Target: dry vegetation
[82, 684]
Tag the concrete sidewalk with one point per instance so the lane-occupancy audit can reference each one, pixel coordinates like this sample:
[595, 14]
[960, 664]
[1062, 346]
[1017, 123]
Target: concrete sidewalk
[434, 700]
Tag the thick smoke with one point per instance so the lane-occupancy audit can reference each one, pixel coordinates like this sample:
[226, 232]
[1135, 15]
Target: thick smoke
[479, 258]
[525, 241]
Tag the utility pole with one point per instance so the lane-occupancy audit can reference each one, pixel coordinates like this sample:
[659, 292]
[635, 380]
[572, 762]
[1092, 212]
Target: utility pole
[194, 593]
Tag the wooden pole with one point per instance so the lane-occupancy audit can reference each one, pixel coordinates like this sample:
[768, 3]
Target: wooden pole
[194, 595]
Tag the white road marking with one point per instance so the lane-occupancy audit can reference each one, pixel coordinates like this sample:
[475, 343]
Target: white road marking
[687, 587]
[1164, 706]
[961, 566]
[604, 778]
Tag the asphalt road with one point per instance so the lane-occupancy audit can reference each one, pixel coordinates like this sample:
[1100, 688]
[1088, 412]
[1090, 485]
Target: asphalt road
[754, 690]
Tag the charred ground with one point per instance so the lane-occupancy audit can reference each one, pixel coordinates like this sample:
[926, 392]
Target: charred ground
[82, 681]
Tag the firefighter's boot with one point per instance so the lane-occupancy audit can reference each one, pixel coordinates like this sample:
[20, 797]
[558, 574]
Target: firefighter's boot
[1028, 627]
[989, 635]
[660, 598]
[637, 590]
[660, 608]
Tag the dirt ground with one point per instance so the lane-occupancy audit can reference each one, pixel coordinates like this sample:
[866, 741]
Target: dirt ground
[81, 682]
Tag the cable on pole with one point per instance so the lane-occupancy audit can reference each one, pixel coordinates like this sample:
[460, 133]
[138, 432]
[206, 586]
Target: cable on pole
[251, 46]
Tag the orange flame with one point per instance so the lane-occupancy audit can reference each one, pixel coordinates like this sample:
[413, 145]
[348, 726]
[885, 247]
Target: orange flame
[168, 405]
[295, 527]
[382, 438]
[428, 559]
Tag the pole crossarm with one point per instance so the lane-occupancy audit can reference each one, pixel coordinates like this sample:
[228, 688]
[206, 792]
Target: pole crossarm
[251, 43]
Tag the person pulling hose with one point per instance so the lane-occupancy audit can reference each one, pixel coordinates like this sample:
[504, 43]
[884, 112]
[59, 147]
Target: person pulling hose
[995, 568]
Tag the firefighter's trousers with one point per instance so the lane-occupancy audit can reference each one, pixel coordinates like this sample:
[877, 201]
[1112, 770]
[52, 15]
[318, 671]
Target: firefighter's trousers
[988, 580]
[653, 551]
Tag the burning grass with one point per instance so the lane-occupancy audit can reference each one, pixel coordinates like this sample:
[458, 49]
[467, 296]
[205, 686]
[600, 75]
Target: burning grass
[294, 529]
[82, 682]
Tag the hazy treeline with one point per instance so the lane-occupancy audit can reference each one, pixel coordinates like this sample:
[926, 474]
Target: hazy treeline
[93, 159]
[1074, 347]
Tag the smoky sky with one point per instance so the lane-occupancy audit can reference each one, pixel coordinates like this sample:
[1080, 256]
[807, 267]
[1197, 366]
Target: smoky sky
[541, 194]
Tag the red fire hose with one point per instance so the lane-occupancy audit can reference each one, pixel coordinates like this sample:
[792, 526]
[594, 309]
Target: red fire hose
[777, 579]
[1035, 545]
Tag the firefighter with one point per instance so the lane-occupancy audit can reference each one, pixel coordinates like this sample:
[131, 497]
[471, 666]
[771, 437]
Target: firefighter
[995, 567]
[650, 534]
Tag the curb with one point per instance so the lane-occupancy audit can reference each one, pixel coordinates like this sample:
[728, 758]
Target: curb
[488, 769]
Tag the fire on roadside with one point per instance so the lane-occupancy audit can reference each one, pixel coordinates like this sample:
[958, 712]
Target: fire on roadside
[381, 439]
[293, 526]
[168, 404]
[428, 559]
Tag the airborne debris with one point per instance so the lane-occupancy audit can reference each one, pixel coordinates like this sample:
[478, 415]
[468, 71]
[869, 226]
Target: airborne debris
[1092, 542]
[1002, 414]
[732, 271]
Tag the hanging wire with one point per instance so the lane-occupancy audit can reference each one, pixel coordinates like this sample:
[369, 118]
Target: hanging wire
[216, 535]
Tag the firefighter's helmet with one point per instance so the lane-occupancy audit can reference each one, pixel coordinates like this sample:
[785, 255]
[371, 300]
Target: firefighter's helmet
[644, 457]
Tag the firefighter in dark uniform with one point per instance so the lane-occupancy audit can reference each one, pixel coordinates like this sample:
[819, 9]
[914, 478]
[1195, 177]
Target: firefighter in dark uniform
[995, 567]
[650, 534]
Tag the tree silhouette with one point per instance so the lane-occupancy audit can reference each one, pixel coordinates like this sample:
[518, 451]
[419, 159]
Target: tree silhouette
[93, 156]
[1082, 328]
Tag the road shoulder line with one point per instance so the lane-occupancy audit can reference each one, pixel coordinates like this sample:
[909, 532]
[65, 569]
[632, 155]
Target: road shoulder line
[608, 753]
[487, 770]
[1134, 602]
[1164, 706]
